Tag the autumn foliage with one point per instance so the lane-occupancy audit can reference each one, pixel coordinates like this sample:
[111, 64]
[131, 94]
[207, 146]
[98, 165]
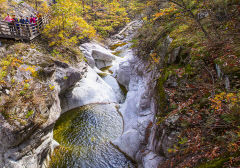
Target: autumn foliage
[206, 34]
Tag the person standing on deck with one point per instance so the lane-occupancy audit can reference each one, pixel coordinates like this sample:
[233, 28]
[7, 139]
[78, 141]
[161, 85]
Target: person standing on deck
[15, 21]
[33, 22]
[32, 19]
[9, 20]
[22, 21]
[39, 21]
[22, 26]
[27, 20]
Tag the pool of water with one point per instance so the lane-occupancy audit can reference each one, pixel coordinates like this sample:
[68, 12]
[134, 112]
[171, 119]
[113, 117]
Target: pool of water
[84, 135]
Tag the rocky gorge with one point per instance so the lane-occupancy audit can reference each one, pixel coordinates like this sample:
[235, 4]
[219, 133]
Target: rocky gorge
[162, 92]
[30, 144]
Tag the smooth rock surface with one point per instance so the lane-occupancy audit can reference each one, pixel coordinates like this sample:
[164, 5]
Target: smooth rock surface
[123, 74]
[151, 160]
[92, 89]
[102, 54]
[97, 55]
[141, 139]
[111, 81]
[102, 64]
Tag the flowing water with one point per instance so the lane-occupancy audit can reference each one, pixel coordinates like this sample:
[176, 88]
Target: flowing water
[84, 135]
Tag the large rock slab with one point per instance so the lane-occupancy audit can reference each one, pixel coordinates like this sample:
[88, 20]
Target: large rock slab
[96, 55]
[128, 143]
[111, 81]
[101, 64]
[102, 54]
[136, 114]
[92, 89]
[123, 74]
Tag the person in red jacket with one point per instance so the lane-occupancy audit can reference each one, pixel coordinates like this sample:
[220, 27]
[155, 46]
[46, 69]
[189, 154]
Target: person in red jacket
[14, 22]
[32, 19]
[33, 22]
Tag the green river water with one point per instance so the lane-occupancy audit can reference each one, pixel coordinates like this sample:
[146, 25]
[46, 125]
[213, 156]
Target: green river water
[84, 135]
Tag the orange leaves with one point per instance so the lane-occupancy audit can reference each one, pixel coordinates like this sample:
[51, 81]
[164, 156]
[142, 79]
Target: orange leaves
[165, 12]
[16, 62]
[159, 14]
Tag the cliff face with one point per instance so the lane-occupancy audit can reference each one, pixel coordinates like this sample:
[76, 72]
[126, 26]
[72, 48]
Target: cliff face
[140, 139]
[193, 102]
[30, 103]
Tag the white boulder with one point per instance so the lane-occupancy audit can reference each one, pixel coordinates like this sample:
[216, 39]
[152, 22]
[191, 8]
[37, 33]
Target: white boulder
[92, 89]
[111, 81]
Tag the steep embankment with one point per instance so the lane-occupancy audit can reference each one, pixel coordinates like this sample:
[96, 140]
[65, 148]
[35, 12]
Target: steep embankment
[30, 84]
[196, 84]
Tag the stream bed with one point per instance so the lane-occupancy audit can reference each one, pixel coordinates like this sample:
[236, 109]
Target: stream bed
[84, 135]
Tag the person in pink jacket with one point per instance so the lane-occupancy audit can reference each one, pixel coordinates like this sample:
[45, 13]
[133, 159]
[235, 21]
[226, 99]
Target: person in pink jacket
[10, 24]
[8, 18]
[32, 19]
[33, 23]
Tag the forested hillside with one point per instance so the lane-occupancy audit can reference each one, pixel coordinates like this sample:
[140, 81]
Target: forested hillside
[199, 81]
[191, 47]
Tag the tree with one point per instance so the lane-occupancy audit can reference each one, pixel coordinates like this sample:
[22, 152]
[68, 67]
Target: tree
[66, 27]
[108, 20]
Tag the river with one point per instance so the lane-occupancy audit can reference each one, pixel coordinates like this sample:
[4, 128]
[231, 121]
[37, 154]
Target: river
[84, 135]
[86, 132]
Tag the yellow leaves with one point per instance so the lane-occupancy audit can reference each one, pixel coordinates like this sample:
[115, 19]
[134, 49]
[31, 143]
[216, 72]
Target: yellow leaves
[224, 99]
[52, 43]
[112, 17]
[51, 87]
[43, 8]
[16, 62]
[6, 65]
[32, 70]
[145, 19]
[66, 26]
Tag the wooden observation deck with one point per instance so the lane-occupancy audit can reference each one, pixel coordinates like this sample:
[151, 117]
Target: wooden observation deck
[22, 31]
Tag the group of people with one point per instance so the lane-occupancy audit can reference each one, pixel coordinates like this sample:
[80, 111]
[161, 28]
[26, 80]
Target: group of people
[23, 22]
[13, 19]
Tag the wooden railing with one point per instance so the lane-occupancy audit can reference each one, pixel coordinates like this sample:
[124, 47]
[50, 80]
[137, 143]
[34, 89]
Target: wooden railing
[22, 31]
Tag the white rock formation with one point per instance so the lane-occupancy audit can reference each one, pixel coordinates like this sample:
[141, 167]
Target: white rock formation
[92, 89]
[97, 55]
[111, 81]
